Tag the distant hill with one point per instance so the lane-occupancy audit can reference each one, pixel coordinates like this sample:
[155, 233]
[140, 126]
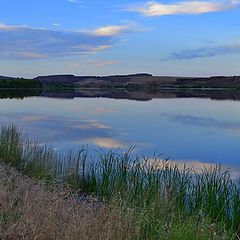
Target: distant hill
[52, 79]
[140, 81]
[146, 81]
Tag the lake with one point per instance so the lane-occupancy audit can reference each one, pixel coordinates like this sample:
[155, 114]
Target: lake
[186, 129]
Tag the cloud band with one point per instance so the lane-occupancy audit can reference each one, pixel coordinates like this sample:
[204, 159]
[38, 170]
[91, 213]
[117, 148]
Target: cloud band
[155, 9]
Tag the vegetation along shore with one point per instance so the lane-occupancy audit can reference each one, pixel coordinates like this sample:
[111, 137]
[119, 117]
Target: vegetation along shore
[49, 194]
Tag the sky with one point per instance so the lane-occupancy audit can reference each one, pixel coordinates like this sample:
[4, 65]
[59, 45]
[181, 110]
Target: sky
[92, 37]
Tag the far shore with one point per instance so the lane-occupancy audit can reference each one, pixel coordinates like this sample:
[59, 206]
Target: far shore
[138, 81]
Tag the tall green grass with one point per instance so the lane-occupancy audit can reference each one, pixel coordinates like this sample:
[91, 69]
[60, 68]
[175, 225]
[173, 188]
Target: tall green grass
[158, 194]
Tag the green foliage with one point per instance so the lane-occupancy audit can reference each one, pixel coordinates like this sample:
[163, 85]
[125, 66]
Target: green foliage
[161, 198]
[20, 83]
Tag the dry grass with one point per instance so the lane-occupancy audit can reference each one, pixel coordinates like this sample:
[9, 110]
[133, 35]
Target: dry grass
[30, 210]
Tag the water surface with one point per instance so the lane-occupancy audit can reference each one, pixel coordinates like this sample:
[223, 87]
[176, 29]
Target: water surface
[185, 129]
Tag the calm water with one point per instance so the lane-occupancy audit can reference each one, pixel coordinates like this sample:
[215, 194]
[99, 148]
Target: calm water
[185, 129]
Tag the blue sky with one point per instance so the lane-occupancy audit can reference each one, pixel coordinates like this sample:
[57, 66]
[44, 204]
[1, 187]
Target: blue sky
[92, 37]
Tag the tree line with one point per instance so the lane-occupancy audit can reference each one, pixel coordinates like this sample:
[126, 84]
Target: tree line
[20, 83]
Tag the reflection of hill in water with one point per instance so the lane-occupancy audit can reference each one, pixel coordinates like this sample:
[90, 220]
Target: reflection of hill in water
[19, 93]
[148, 95]
[125, 94]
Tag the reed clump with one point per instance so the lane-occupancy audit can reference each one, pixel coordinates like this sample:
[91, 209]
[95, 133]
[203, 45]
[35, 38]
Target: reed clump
[152, 198]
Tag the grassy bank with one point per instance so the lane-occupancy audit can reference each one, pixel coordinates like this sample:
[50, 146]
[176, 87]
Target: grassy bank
[152, 199]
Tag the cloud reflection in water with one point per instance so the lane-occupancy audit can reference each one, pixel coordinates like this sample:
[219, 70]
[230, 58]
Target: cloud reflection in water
[67, 130]
[207, 122]
[195, 166]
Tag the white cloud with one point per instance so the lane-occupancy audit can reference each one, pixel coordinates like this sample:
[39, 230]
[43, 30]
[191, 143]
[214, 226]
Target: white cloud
[24, 42]
[73, 1]
[80, 3]
[115, 30]
[111, 30]
[154, 9]
[203, 52]
[100, 48]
